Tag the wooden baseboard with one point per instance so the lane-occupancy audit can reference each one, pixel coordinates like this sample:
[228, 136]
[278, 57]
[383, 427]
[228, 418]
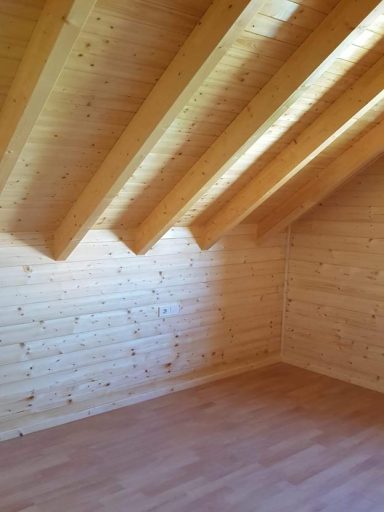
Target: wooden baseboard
[330, 372]
[54, 418]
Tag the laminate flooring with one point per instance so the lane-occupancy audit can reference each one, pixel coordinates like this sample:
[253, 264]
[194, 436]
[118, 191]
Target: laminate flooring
[275, 439]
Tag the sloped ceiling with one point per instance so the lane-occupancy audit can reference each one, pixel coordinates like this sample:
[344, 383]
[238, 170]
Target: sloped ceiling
[118, 54]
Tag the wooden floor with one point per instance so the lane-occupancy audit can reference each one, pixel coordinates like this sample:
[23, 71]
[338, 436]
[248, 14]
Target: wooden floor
[277, 439]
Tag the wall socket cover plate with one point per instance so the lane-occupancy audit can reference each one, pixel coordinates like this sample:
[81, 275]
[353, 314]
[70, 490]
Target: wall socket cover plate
[168, 310]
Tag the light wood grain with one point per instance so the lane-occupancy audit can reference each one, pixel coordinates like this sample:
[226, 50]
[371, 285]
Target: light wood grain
[298, 73]
[335, 301]
[118, 57]
[84, 336]
[51, 42]
[18, 20]
[318, 187]
[367, 92]
[274, 439]
[195, 60]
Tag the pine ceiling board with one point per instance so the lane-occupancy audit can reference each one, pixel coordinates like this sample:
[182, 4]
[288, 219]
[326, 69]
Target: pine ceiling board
[122, 51]
[269, 47]
[356, 132]
[24, 9]
[232, 76]
[296, 12]
[256, 62]
[341, 74]
[149, 12]
[328, 82]
[94, 94]
[178, 17]
[46, 189]
[275, 29]
[17, 21]
[324, 6]
[228, 89]
[277, 138]
[353, 134]
[124, 48]
[102, 105]
[225, 190]
[378, 25]
[215, 110]
[272, 28]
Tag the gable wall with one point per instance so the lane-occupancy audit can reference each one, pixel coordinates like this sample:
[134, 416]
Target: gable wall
[334, 319]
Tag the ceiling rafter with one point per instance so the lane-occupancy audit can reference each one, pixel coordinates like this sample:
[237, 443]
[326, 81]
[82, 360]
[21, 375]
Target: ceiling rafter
[322, 47]
[52, 40]
[361, 153]
[335, 120]
[199, 55]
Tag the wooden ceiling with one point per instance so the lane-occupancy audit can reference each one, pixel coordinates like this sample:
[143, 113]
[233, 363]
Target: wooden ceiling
[145, 114]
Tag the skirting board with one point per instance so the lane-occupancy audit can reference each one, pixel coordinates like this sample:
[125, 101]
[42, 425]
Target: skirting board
[330, 372]
[142, 393]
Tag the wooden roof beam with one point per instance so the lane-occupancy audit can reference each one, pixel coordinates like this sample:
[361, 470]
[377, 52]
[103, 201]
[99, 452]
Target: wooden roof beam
[341, 27]
[358, 156]
[199, 55]
[52, 40]
[334, 121]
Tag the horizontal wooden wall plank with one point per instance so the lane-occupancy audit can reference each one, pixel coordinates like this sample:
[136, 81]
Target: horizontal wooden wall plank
[84, 335]
[121, 398]
[334, 320]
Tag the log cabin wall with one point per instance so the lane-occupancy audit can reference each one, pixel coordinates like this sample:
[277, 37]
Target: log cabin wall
[84, 336]
[141, 116]
[334, 321]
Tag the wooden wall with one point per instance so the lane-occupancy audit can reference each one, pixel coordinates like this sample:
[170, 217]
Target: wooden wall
[334, 319]
[84, 336]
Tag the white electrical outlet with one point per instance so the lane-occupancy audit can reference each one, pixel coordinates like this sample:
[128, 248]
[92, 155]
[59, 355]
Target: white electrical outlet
[169, 310]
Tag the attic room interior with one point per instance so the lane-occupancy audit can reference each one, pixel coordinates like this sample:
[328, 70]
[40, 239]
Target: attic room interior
[191, 255]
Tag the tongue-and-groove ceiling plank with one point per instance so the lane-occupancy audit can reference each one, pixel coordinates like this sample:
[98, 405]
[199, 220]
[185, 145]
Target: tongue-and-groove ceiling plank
[362, 153]
[47, 51]
[17, 22]
[299, 72]
[120, 54]
[199, 55]
[352, 104]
